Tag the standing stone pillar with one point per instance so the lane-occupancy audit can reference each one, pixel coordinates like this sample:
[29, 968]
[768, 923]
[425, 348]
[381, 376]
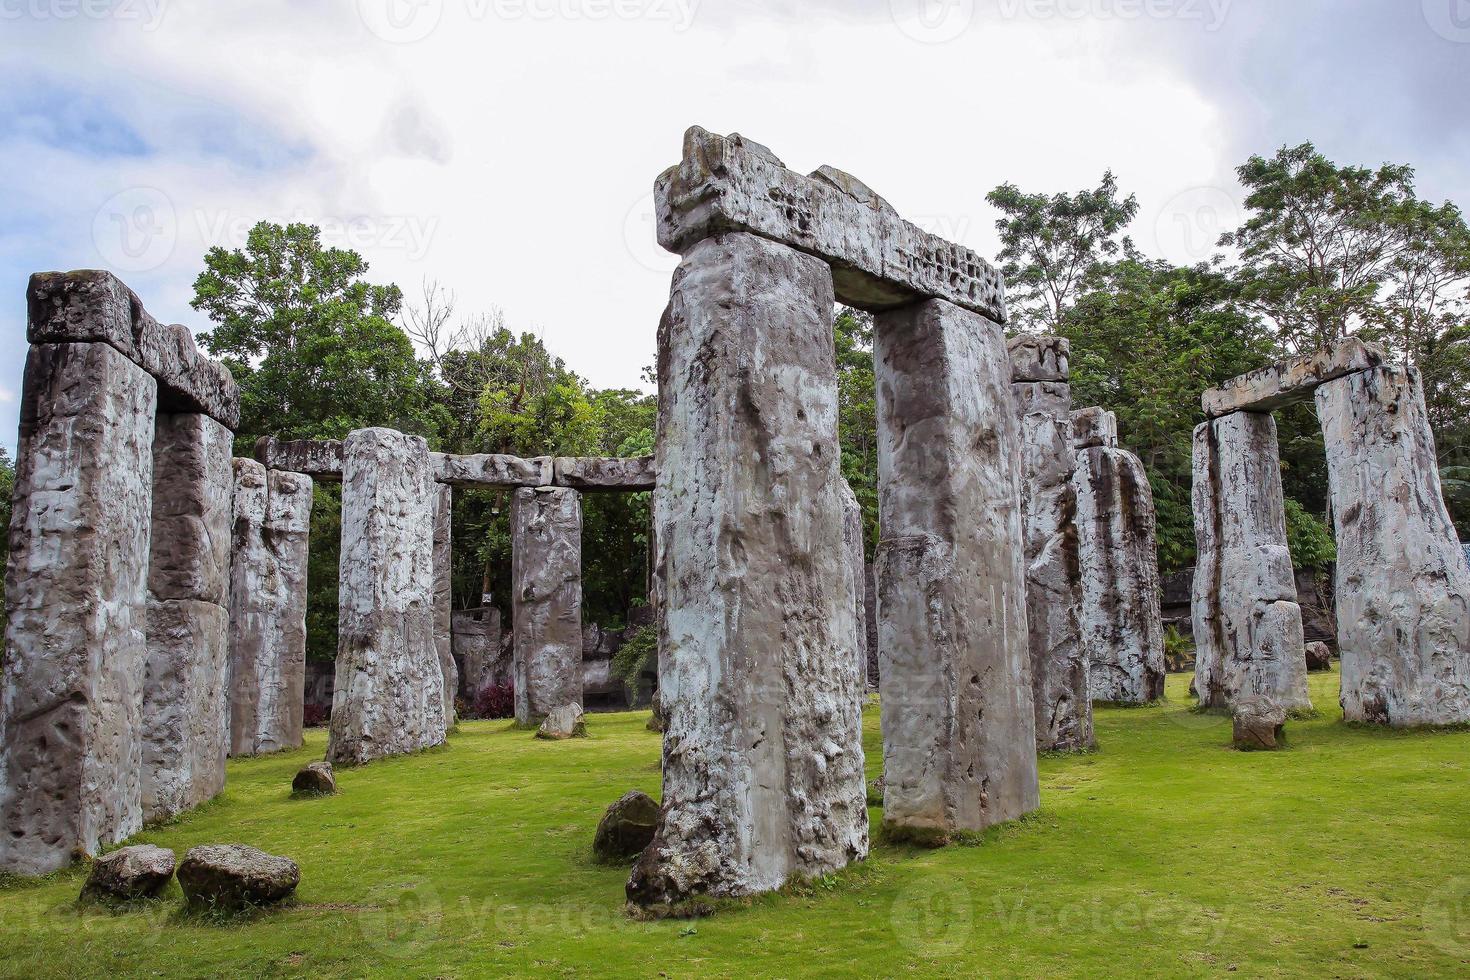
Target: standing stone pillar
[762, 756]
[71, 746]
[852, 541]
[185, 700]
[477, 648]
[1247, 624]
[444, 596]
[959, 737]
[1117, 544]
[1040, 372]
[1403, 587]
[546, 601]
[271, 537]
[389, 696]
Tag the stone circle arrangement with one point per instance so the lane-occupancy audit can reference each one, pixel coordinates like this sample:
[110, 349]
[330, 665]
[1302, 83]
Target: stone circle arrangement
[157, 587]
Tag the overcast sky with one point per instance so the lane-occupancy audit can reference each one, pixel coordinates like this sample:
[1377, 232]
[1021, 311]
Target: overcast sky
[507, 148]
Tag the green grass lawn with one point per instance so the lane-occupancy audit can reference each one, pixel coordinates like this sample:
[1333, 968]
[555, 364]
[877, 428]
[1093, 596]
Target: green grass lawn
[1164, 853]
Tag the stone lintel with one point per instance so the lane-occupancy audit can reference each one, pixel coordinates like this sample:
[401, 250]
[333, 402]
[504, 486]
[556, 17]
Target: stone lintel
[1296, 380]
[493, 472]
[93, 306]
[879, 261]
[591, 475]
[320, 459]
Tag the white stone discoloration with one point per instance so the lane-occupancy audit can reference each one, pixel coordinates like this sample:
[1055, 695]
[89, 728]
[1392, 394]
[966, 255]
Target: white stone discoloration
[1247, 624]
[1059, 671]
[71, 745]
[1117, 539]
[959, 737]
[271, 529]
[389, 695]
[1403, 589]
[185, 704]
[444, 596]
[852, 542]
[763, 760]
[1289, 382]
[878, 260]
[546, 600]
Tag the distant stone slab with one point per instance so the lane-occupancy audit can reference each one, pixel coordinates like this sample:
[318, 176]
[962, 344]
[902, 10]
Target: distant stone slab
[493, 472]
[879, 261]
[320, 459]
[92, 306]
[1094, 428]
[591, 475]
[1288, 382]
[1040, 357]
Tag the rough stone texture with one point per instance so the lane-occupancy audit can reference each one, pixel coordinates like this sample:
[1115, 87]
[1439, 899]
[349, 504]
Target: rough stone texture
[493, 472]
[1319, 657]
[320, 459]
[477, 649]
[591, 475]
[626, 828]
[1247, 624]
[762, 758]
[94, 306]
[1059, 670]
[878, 260]
[1094, 428]
[315, 779]
[564, 722]
[444, 597]
[1259, 724]
[1403, 589]
[389, 694]
[852, 541]
[1117, 547]
[71, 749]
[232, 877]
[185, 690]
[959, 737]
[1292, 381]
[546, 600]
[271, 533]
[131, 873]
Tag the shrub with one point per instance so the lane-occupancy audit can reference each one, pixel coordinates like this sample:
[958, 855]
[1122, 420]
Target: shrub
[315, 715]
[634, 657]
[496, 701]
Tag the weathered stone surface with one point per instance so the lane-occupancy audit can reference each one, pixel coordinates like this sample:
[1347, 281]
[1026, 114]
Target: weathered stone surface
[1094, 428]
[1040, 357]
[271, 532]
[320, 459]
[493, 472]
[959, 737]
[878, 260]
[232, 877]
[1059, 671]
[444, 597]
[315, 779]
[591, 475]
[477, 649]
[1259, 724]
[564, 722]
[1403, 590]
[1117, 538]
[763, 759]
[626, 828]
[389, 695]
[1291, 381]
[852, 541]
[91, 306]
[130, 873]
[1247, 624]
[546, 600]
[71, 748]
[1319, 657]
[185, 690]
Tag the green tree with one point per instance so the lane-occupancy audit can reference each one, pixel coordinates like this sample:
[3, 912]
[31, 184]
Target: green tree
[857, 415]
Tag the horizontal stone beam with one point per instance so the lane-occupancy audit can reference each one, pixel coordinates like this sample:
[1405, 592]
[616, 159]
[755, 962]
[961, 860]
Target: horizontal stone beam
[879, 261]
[1296, 380]
[93, 306]
[592, 475]
[320, 459]
[493, 472]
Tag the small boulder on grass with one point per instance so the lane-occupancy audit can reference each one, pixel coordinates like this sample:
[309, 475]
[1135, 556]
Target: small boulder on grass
[233, 877]
[564, 722]
[626, 828]
[141, 871]
[1260, 724]
[316, 779]
[1319, 656]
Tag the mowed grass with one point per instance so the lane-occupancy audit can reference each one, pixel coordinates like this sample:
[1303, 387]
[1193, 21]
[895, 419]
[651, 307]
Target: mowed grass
[1165, 853]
